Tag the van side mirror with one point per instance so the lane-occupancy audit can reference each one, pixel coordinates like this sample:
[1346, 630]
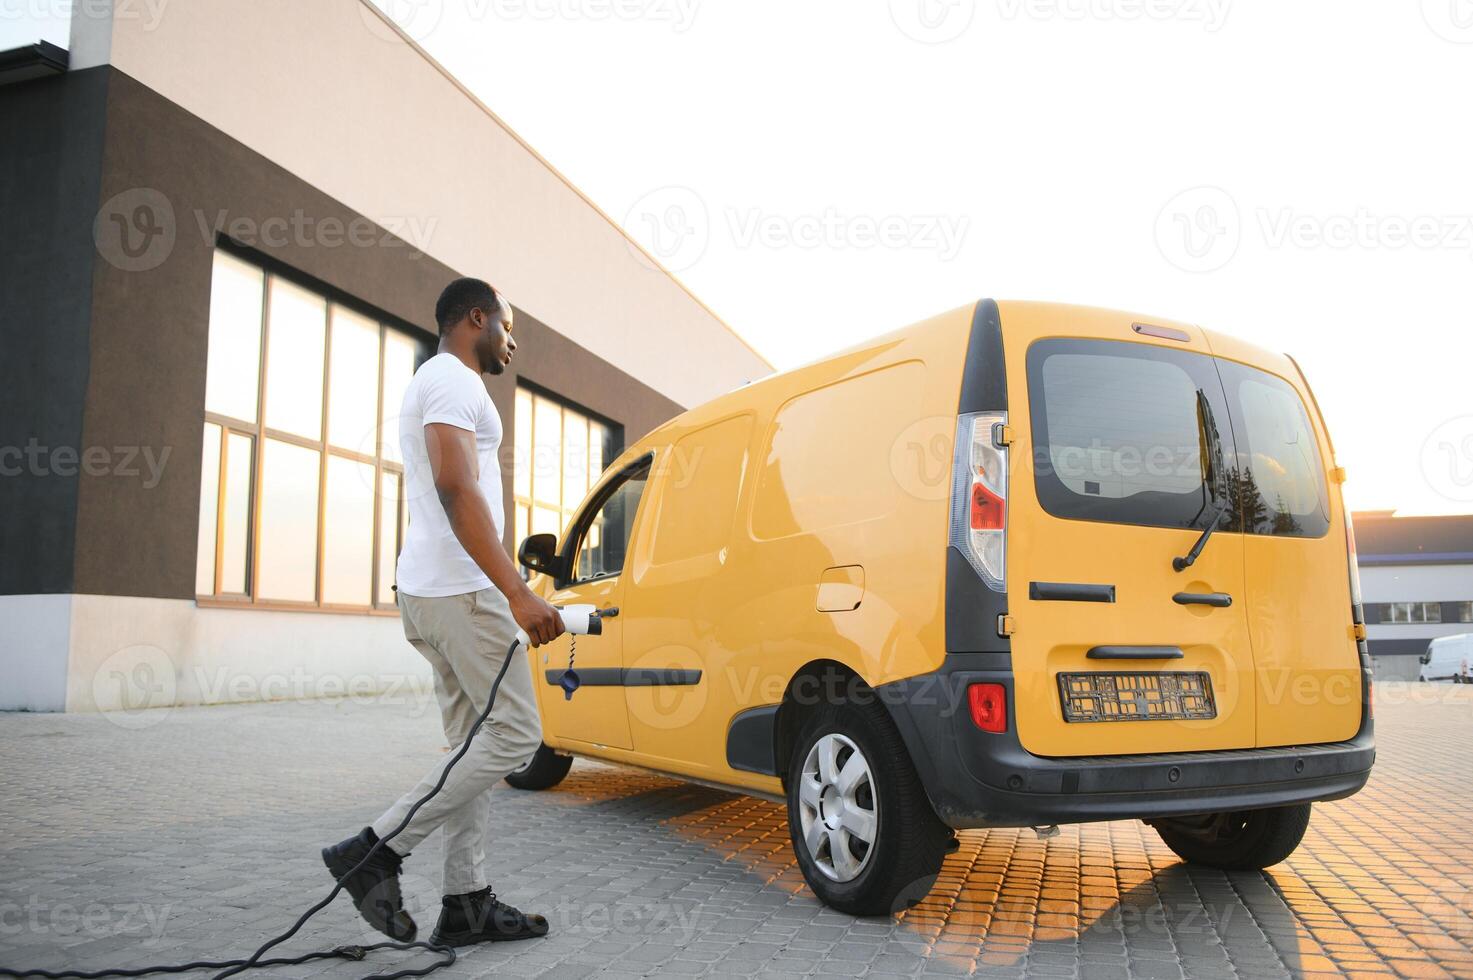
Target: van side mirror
[538, 553]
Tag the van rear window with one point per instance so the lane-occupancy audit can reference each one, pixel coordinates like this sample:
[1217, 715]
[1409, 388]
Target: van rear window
[1121, 431]
[1132, 433]
[1279, 479]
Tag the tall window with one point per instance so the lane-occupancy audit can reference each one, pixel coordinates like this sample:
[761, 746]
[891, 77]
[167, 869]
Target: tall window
[302, 486]
[560, 453]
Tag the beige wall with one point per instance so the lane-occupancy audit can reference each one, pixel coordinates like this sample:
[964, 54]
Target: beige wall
[329, 91]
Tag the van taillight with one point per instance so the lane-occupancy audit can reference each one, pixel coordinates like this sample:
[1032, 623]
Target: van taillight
[989, 703]
[979, 495]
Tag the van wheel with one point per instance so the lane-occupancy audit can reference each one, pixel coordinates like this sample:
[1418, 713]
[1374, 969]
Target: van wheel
[1248, 840]
[544, 770]
[865, 834]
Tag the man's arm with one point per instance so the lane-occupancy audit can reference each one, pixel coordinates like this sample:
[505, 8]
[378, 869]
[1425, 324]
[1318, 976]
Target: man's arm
[452, 452]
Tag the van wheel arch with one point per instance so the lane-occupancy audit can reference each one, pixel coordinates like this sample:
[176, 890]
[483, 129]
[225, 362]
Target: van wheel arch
[793, 711]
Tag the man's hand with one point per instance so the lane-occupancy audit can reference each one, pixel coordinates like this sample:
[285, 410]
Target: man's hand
[537, 617]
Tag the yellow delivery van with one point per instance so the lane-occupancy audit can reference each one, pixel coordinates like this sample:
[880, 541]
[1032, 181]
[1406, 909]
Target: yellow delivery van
[1017, 565]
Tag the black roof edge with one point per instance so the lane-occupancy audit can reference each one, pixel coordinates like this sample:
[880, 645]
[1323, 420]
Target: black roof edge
[33, 60]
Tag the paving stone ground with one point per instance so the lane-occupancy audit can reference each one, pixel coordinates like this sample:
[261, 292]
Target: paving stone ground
[185, 833]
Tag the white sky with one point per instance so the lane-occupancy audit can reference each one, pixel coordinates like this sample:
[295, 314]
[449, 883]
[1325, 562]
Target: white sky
[1031, 149]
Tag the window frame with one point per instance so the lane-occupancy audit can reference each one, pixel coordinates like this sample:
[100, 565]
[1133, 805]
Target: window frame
[568, 551]
[259, 432]
[567, 511]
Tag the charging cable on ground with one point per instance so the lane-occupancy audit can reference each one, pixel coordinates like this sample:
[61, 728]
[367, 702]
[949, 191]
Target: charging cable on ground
[576, 619]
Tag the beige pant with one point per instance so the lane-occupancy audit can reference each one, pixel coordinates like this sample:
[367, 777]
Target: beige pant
[465, 637]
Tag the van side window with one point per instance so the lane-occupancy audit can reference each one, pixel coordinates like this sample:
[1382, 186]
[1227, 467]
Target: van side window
[1280, 480]
[1127, 433]
[604, 540]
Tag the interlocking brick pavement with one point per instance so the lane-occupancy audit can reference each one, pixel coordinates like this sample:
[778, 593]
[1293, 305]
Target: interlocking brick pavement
[194, 832]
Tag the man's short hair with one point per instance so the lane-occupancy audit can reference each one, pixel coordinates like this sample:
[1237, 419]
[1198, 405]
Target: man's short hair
[460, 297]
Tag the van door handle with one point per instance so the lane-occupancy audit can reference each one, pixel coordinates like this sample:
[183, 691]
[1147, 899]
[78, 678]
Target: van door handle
[1219, 599]
[1135, 653]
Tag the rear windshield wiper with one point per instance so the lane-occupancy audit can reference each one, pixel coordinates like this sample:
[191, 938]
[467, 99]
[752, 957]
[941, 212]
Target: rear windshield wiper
[1182, 564]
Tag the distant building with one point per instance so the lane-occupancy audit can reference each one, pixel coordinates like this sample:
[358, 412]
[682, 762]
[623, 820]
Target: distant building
[1416, 578]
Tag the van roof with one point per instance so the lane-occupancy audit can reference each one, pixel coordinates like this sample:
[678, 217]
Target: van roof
[1220, 344]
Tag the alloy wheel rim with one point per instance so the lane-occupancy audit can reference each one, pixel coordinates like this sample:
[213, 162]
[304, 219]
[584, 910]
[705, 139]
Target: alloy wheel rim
[837, 808]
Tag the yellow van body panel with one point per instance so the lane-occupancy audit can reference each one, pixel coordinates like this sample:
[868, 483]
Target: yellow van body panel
[846, 464]
[830, 484]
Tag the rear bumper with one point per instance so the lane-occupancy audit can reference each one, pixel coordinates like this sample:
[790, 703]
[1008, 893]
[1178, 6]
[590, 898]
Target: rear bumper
[979, 779]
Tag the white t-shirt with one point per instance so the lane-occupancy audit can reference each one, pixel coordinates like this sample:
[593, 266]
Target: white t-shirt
[432, 562]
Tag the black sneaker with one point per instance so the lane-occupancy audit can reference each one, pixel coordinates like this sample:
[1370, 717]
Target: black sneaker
[480, 918]
[375, 886]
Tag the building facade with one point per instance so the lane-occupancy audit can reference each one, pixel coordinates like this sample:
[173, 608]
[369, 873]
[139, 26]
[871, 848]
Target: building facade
[1416, 578]
[228, 225]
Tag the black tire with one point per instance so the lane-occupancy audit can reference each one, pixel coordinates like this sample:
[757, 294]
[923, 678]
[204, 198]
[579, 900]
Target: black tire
[1250, 840]
[544, 770]
[899, 867]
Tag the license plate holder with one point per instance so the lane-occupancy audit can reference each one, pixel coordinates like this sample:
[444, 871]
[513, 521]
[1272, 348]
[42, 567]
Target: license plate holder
[1136, 695]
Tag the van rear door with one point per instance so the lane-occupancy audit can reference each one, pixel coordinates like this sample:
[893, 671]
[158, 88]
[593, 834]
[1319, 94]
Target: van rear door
[1296, 562]
[1119, 465]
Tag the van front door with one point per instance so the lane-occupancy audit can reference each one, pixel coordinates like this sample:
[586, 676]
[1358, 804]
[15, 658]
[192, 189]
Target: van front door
[1118, 647]
[598, 542]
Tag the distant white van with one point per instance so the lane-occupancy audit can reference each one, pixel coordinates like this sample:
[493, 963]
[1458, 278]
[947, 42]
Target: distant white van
[1448, 658]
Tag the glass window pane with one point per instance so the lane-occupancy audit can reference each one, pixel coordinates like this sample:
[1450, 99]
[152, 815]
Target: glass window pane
[522, 445]
[388, 541]
[547, 435]
[1282, 485]
[352, 390]
[575, 458]
[239, 464]
[288, 559]
[296, 325]
[601, 552]
[400, 352]
[234, 357]
[209, 507]
[546, 520]
[347, 544]
[600, 451]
